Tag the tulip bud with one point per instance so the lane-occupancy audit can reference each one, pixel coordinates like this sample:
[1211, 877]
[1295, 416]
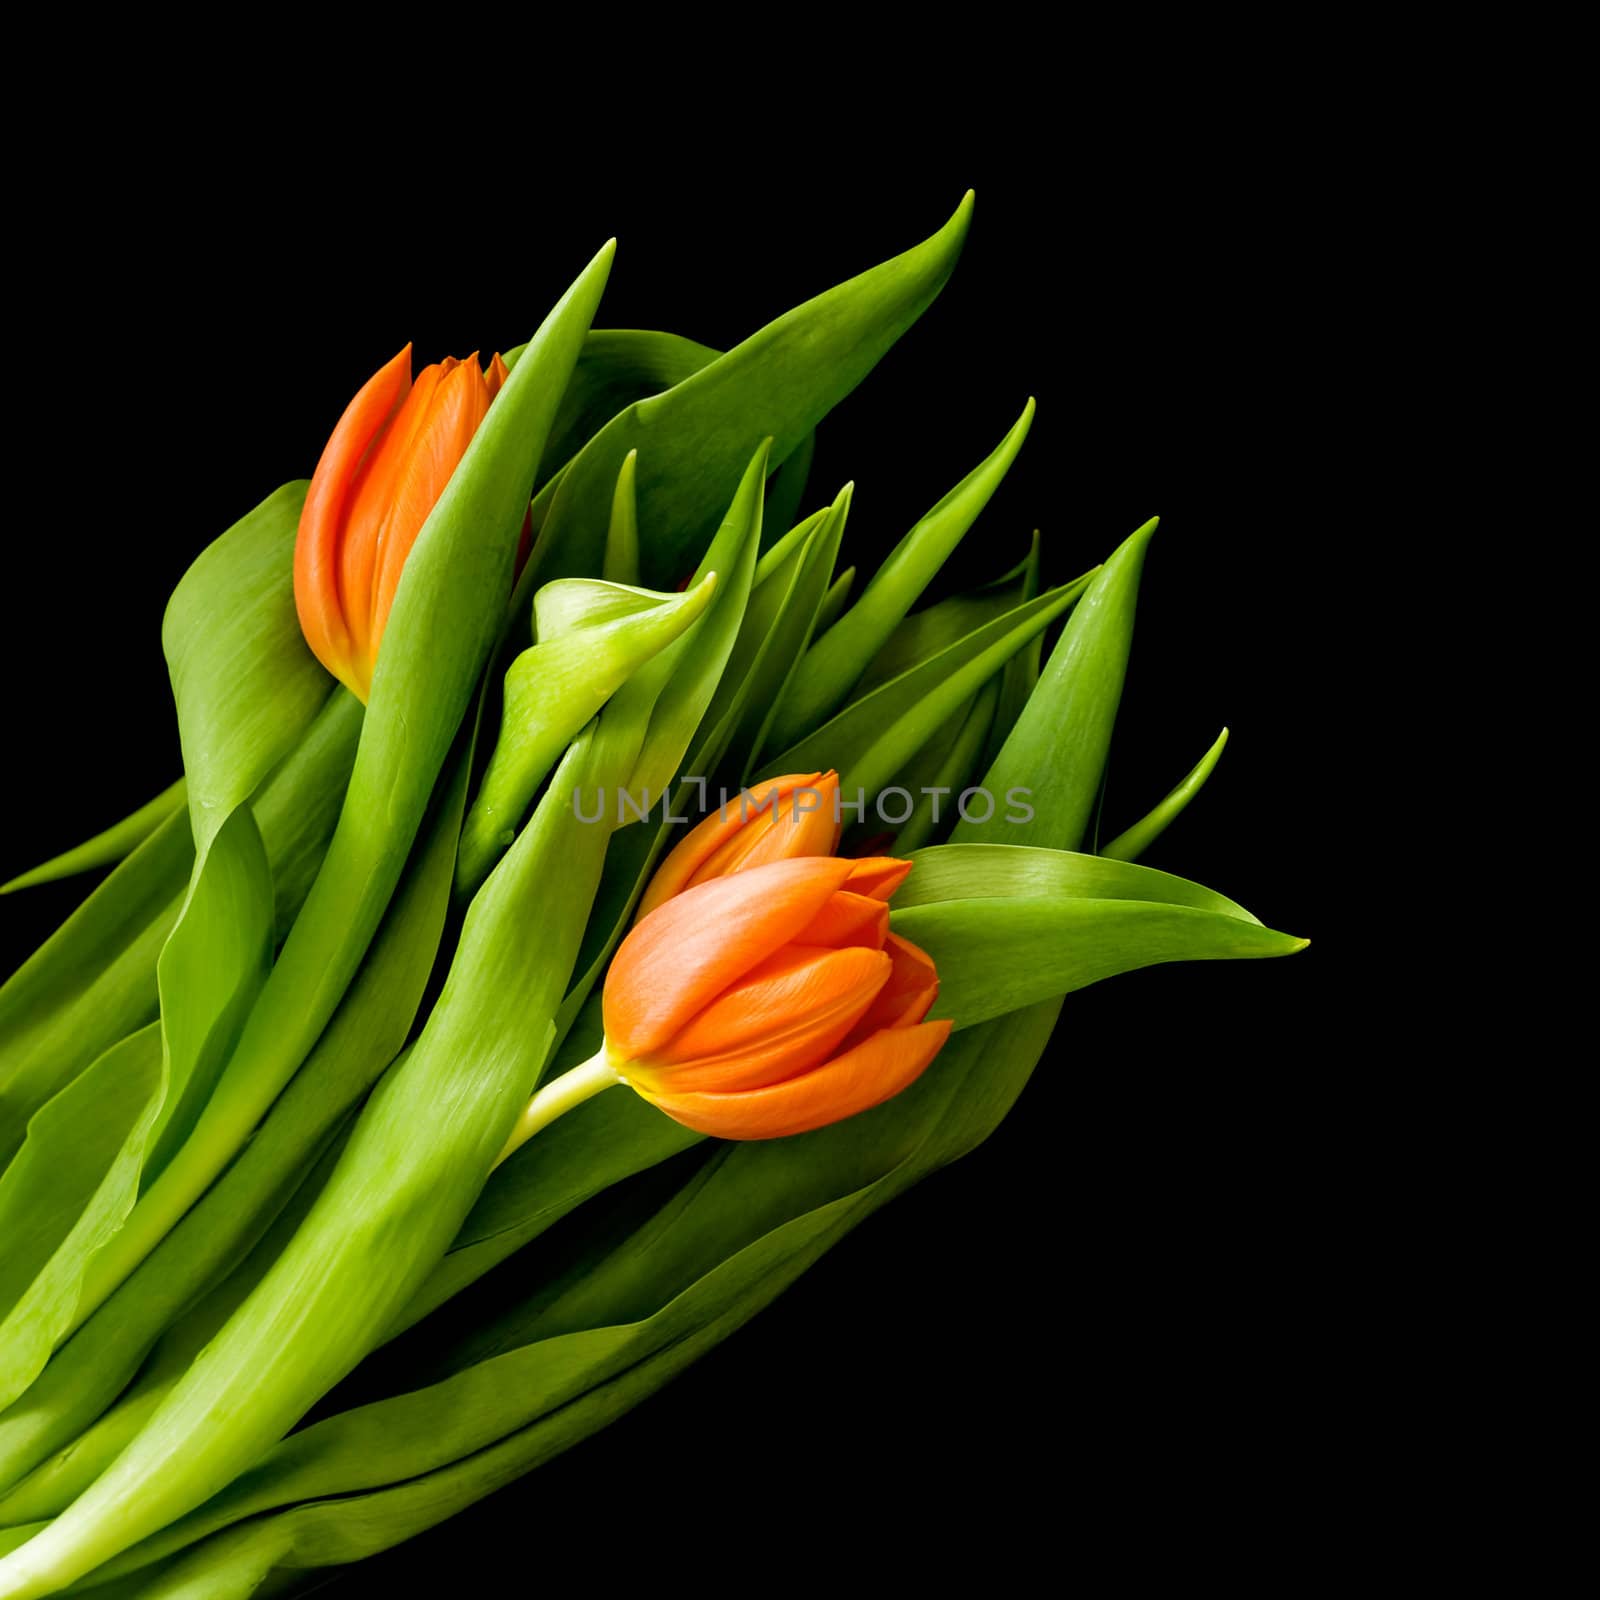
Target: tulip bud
[778, 820]
[385, 465]
[773, 1000]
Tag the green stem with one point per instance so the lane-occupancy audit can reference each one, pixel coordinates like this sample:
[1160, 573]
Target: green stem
[556, 1099]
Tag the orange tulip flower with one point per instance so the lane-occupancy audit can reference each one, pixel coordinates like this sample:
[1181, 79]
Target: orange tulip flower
[772, 1000]
[380, 474]
[776, 821]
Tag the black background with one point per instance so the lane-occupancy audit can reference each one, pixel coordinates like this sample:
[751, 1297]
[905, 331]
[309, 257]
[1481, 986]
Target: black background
[1108, 1324]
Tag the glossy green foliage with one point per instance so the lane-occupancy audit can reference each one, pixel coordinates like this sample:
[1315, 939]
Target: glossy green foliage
[93, 982]
[1008, 925]
[364, 1036]
[387, 1213]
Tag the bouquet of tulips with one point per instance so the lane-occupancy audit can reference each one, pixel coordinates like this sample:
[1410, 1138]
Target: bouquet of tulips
[562, 839]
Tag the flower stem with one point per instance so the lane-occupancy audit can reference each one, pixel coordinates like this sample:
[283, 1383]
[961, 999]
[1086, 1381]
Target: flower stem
[558, 1097]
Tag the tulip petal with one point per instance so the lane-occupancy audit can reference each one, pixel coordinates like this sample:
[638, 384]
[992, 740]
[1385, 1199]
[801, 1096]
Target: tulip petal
[848, 919]
[369, 506]
[801, 824]
[748, 817]
[874, 1071]
[782, 1019]
[906, 998]
[686, 952]
[878, 876]
[496, 375]
[458, 405]
[318, 594]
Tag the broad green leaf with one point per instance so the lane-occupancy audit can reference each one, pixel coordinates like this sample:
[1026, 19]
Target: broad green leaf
[387, 1214]
[602, 1142]
[996, 955]
[1004, 871]
[56, 1483]
[366, 1033]
[209, 971]
[695, 440]
[70, 1186]
[870, 742]
[93, 982]
[209, 974]
[835, 663]
[298, 807]
[447, 615]
[245, 684]
[110, 845]
[590, 637]
[1133, 842]
[1056, 753]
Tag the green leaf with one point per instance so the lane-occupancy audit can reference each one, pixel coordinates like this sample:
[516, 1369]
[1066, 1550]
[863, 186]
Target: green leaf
[245, 684]
[682, 682]
[716, 1253]
[93, 982]
[622, 537]
[210, 970]
[835, 663]
[591, 638]
[695, 440]
[209, 974]
[598, 1145]
[997, 955]
[69, 1188]
[925, 633]
[834, 602]
[1004, 871]
[787, 487]
[1057, 751]
[616, 367]
[112, 844]
[448, 613]
[366, 1033]
[386, 1216]
[870, 741]
[793, 625]
[1021, 672]
[298, 807]
[939, 787]
[1133, 842]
